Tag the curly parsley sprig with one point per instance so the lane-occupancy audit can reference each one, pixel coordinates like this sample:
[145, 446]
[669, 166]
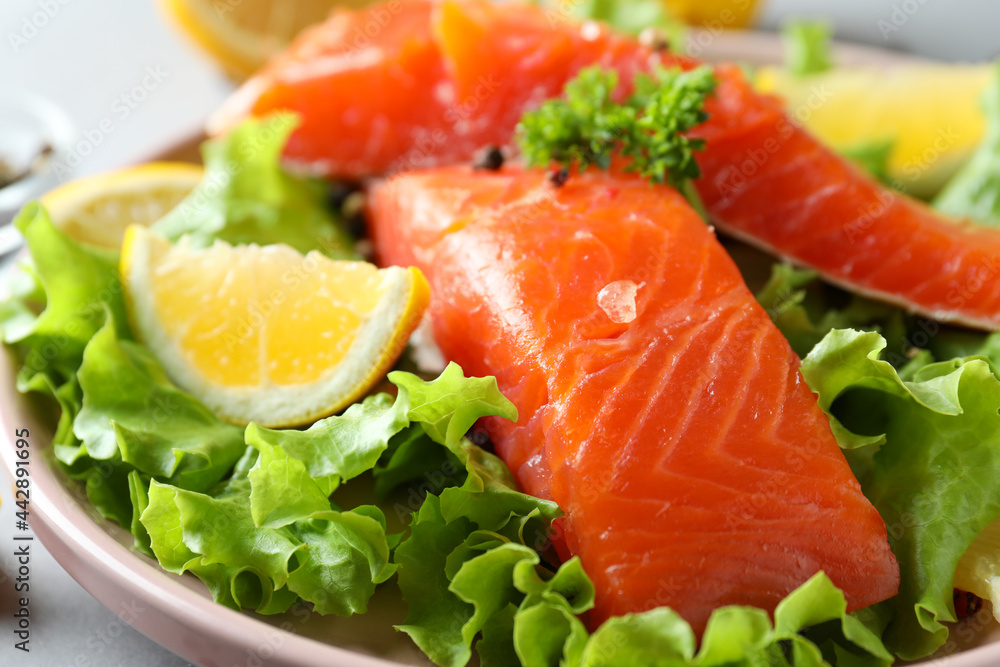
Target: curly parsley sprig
[587, 127]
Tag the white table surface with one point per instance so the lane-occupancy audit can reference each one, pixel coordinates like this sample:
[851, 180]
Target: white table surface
[90, 52]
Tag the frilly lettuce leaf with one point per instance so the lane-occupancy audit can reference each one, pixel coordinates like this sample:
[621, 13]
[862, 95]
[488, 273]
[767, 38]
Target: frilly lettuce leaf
[811, 629]
[436, 615]
[489, 495]
[448, 406]
[805, 310]
[873, 156]
[417, 464]
[632, 16]
[132, 410]
[347, 555]
[807, 47]
[447, 533]
[119, 413]
[342, 447]
[282, 507]
[23, 298]
[339, 557]
[298, 470]
[925, 443]
[246, 197]
[138, 490]
[281, 489]
[75, 287]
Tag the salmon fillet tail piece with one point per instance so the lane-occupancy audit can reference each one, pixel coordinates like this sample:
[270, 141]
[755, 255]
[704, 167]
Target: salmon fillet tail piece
[412, 84]
[659, 406]
[771, 184]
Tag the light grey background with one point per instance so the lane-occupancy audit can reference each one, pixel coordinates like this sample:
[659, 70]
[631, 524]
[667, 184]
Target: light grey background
[89, 53]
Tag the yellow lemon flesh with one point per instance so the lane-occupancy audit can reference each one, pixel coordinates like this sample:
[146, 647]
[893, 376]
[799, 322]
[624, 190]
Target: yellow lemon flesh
[713, 13]
[241, 35]
[932, 113]
[265, 334]
[97, 210]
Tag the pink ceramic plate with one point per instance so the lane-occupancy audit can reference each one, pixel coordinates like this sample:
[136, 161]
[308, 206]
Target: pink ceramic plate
[178, 612]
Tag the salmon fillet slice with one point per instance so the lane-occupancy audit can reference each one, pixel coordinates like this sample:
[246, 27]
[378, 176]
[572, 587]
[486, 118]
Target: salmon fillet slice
[770, 183]
[659, 406]
[411, 84]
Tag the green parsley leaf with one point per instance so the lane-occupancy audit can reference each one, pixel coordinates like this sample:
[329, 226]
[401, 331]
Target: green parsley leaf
[588, 127]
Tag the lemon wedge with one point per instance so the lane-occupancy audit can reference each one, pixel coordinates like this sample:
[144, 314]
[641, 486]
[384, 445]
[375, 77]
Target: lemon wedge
[97, 210]
[265, 334]
[241, 35]
[932, 112]
[713, 13]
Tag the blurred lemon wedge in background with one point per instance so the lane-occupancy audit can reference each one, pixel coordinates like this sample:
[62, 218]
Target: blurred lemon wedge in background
[931, 112]
[241, 35]
[97, 209]
[266, 334]
[711, 13]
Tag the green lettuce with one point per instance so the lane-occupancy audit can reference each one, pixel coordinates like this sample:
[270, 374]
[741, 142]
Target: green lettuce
[74, 288]
[296, 471]
[448, 406]
[453, 528]
[805, 310]
[954, 343]
[332, 559]
[246, 197]
[807, 48]
[810, 628]
[924, 442]
[873, 156]
[415, 463]
[118, 412]
[974, 192]
[274, 518]
[631, 16]
[132, 411]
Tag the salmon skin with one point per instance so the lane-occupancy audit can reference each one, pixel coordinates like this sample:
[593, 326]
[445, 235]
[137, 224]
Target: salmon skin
[659, 406]
[419, 83]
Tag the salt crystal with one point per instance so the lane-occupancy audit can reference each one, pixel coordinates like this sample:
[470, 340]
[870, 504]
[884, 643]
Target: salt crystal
[617, 300]
[590, 31]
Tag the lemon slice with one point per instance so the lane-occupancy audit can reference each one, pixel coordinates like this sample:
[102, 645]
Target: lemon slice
[265, 334]
[241, 35]
[713, 13]
[98, 209]
[931, 111]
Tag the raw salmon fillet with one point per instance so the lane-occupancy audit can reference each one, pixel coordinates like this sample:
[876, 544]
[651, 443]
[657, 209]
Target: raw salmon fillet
[423, 82]
[659, 406]
[771, 184]
[390, 88]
